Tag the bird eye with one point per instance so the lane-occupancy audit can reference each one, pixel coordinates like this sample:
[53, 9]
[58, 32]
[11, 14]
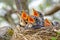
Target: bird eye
[36, 19]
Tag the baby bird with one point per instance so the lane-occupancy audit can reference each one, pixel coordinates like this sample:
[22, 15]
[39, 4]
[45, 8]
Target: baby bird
[23, 19]
[30, 23]
[55, 23]
[47, 23]
[35, 21]
[22, 22]
[39, 20]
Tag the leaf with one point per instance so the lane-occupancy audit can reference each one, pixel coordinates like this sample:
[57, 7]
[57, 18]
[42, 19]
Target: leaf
[41, 7]
[53, 38]
[58, 33]
[47, 5]
[10, 32]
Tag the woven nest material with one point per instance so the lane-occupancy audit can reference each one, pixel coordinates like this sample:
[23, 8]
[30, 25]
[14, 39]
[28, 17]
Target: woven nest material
[44, 33]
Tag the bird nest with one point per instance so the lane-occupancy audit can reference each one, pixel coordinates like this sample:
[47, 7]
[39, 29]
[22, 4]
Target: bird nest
[44, 33]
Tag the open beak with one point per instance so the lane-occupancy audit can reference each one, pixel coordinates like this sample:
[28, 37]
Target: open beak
[35, 13]
[24, 15]
[47, 23]
[30, 20]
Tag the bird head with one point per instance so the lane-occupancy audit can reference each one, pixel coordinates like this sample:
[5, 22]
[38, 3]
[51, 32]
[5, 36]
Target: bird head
[35, 13]
[24, 15]
[47, 22]
[30, 20]
[23, 18]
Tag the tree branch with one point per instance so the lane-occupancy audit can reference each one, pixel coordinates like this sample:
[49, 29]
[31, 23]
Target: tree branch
[53, 10]
[22, 5]
[9, 19]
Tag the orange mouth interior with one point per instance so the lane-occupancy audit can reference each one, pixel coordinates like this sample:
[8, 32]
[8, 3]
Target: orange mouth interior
[47, 22]
[35, 13]
[24, 15]
[30, 19]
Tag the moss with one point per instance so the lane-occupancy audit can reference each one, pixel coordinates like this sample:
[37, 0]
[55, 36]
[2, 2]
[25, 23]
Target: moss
[58, 33]
[10, 32]
[53, 38]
